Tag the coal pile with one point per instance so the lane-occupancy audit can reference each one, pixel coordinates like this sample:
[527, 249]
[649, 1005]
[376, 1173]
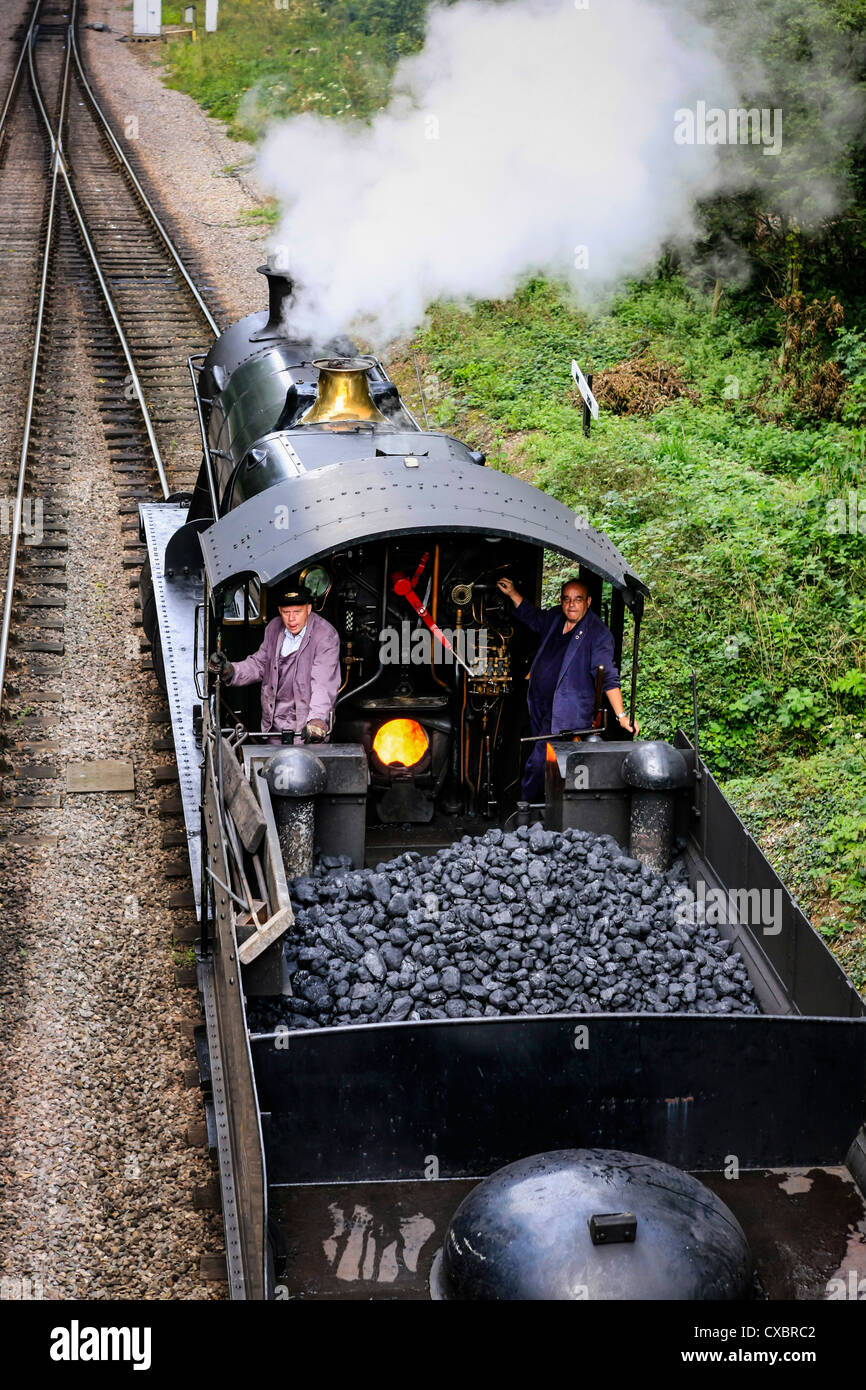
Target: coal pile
[529, 922]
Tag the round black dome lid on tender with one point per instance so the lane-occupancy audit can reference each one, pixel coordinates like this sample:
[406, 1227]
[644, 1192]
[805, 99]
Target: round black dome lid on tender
[526, 1233]
[296, 772]
[655, 766]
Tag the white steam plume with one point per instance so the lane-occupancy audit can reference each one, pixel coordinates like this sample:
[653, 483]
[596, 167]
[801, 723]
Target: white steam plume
[524, 137]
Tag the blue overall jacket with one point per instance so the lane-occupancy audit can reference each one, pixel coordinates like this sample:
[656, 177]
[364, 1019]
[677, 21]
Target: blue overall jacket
[573, 700]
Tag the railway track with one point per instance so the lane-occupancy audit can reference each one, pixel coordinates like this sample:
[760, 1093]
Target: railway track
[144, 314]
[99, 314]
[162, 312]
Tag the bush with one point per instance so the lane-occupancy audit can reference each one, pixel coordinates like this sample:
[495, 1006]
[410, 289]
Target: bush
[722, 513]
[851, 356]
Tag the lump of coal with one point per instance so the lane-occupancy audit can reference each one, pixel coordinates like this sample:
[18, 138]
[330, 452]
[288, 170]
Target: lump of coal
[530, 921]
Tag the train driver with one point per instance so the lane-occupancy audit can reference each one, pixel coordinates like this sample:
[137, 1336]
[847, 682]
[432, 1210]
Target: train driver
[561, 695]
[298, 665]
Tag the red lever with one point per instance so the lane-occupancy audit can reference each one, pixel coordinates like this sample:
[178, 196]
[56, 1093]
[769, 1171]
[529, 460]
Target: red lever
[405, 588]
[421, 568]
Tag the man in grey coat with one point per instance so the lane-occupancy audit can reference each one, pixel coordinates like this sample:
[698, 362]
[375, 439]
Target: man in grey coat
[298, 665]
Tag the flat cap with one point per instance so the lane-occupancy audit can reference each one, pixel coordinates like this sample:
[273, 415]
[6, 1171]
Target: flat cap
[293, 596]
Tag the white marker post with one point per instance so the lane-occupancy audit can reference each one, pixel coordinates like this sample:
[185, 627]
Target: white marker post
[584, 386]
[146, 17]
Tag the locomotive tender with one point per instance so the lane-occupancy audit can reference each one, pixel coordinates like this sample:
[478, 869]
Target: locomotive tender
[314, 470]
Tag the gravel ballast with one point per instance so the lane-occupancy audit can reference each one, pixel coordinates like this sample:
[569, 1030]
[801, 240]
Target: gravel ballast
[98, 1178]
[527, 922]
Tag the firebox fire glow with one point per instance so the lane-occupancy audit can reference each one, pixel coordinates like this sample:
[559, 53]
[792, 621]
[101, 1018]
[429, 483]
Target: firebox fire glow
[400, 741]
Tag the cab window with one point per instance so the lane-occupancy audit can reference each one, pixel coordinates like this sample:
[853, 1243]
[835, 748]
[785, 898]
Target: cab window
[244, 605]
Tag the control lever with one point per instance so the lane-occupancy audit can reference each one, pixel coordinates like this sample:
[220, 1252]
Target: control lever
[404, 587]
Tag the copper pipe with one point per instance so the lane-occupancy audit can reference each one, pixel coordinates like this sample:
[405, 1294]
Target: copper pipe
[365, 685]
[349, 662]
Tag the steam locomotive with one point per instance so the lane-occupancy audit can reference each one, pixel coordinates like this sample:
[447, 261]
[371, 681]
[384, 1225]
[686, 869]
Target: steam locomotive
[315, 471]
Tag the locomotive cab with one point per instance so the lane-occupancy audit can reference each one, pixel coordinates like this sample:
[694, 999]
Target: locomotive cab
[315, 471]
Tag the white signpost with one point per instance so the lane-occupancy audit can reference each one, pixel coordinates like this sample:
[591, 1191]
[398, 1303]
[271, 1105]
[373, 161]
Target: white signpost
[585, 389]
[584, 386]
[146, 17]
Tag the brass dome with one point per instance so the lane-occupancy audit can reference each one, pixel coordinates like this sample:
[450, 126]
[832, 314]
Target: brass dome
[343, 393]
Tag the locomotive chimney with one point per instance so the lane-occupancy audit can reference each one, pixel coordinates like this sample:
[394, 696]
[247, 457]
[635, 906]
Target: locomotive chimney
[280, 290]
[344, 393]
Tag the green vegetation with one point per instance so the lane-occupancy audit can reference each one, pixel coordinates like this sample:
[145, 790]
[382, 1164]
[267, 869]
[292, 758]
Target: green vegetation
[276, 59]
[737, 494]
[723, 513]
[723, 510]
[266, 216]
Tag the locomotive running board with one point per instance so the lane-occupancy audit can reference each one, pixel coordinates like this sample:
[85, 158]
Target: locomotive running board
[232, 1217]
[177, 595]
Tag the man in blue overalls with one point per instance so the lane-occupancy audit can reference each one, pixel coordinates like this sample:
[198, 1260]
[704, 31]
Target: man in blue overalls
[561, 695]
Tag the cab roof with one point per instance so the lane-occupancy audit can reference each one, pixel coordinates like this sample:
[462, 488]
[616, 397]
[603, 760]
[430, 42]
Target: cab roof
[312, 516]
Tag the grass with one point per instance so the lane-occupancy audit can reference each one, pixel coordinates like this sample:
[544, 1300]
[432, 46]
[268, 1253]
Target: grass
[268, 215]
[268, 60]
[811, 814]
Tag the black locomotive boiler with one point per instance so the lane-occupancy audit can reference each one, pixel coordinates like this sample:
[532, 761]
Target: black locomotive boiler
[338, 1141]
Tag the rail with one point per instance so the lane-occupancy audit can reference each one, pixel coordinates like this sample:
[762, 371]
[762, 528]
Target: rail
[60, 174]
[51, 217]
[131, 175]
[16, 76]
[239, 1130]
[57, 149]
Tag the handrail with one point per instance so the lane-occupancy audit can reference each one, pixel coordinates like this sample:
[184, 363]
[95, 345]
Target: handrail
[208, 463]
[198, 674]
[216, 773]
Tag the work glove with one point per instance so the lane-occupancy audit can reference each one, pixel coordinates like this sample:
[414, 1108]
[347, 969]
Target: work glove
[315, 731]
[219, 665]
